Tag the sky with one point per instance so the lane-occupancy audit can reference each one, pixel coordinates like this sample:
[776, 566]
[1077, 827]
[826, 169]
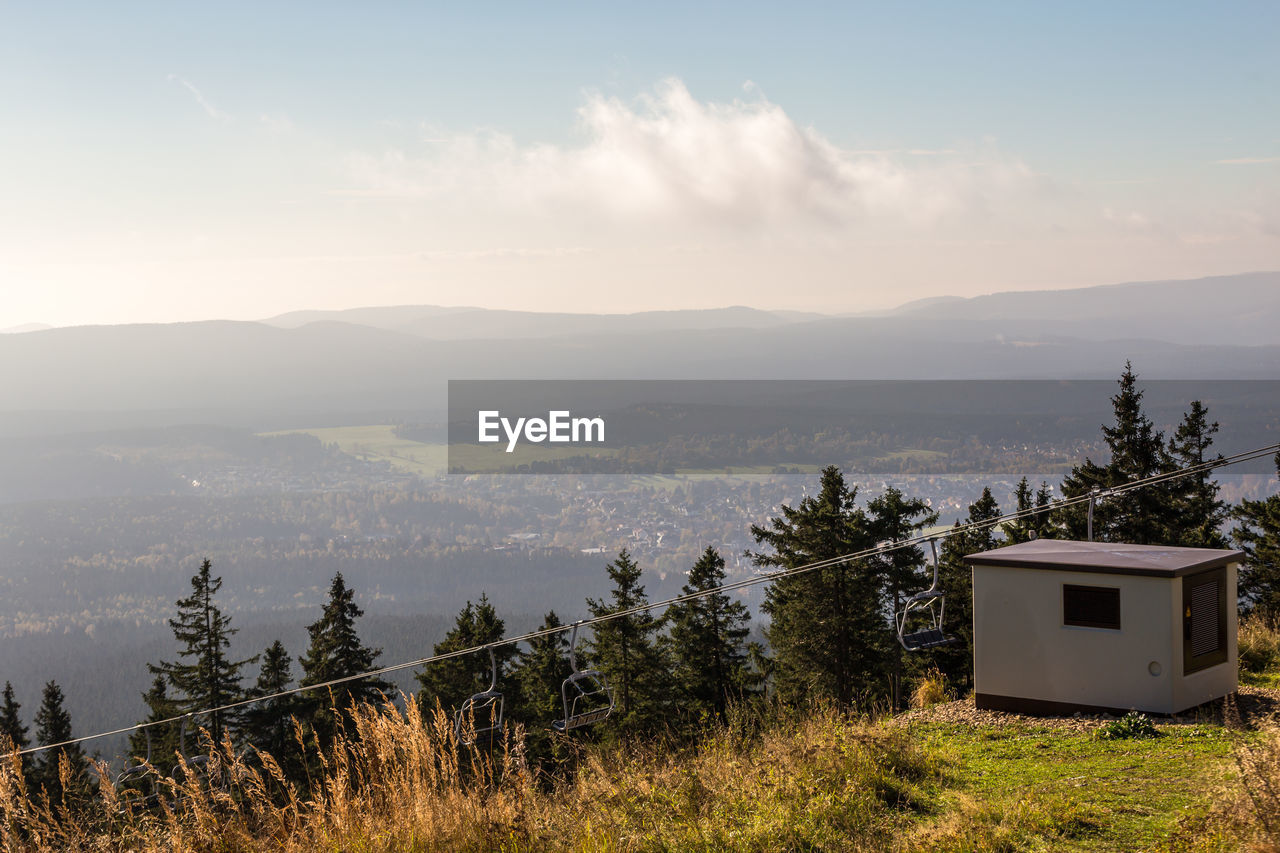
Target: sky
[177, 161]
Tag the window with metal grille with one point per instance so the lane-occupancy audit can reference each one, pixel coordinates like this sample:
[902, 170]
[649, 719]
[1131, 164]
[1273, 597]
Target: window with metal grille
[1091, 606]
[1204, 620]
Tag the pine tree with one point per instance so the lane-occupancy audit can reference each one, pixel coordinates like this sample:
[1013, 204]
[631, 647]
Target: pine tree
[336, 652]
[541, 671]
[892, 517]
[53, 725]
[209, 678]
[1258, 535]
[159, 744]
[827, 627]
[1201, 514]
[268, 723]
[956, 581]
[626, 650]
[708, 638]
[13, 734]
[452, 681]
[1144, 516]
[538, 675]
[1033, 514]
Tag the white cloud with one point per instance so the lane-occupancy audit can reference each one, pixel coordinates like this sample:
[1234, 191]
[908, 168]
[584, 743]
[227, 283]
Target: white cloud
[205, 104]
[669, 157]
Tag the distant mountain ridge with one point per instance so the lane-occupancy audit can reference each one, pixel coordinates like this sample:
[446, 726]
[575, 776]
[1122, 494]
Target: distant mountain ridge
[1237, 309]
[460, 323]
[312, 368]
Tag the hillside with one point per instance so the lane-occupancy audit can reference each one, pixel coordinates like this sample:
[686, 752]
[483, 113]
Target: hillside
[781, 781]
[380, 364]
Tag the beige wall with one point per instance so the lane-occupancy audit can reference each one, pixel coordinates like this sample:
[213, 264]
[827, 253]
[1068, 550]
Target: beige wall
[1022, 649]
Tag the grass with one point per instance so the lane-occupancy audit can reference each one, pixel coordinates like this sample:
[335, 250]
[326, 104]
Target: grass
[789, 781]
[771, 779]
[1259, 654]
[1063, 789]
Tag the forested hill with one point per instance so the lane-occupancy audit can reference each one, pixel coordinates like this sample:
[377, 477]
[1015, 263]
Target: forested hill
[368, 362]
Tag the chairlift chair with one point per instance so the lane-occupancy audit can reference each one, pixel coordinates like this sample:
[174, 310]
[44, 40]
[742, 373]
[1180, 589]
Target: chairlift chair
[479, 720]
[920, 621]
[585, 693]
[137, 772]
[196, 765]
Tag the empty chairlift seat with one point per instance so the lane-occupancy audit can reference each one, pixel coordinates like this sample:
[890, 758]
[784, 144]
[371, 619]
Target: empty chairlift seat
[585, 693]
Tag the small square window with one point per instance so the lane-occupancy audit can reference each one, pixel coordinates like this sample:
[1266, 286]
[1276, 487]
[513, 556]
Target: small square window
[1091, 606]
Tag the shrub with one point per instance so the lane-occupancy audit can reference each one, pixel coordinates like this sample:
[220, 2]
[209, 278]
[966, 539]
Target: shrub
[1132, 725]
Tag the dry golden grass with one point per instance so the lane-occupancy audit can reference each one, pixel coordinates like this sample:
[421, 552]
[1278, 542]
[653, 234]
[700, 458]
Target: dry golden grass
[399, 782]
[1247, 814]
[930, 690]
[1259, 646]
[766, 781]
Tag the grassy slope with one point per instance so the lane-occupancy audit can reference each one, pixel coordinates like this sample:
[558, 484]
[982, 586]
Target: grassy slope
[797, 782]
[1032, 787]
[826, 784]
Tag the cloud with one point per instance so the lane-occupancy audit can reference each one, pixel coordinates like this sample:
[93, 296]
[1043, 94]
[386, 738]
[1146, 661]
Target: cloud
[1247, 161]
[669, 157]
[212, 111]
[1132, 220]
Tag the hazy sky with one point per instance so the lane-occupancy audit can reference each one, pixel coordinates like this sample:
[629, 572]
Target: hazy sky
[175, 161]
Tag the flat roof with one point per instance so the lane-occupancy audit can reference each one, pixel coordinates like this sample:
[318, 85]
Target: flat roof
[1112, 558]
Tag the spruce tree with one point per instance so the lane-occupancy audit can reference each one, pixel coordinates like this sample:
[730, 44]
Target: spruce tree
[159, 744]
[540, 672]
[53, 725]
[452, 681]
[268, 723]
[1143, 516]
[538, 676]
[626, 650]
[893, 517]
[956, 581]
[206, 677]
[708, 637]
[13, 734]
[336, 652]
[1258, 535]
[827, 626]
[1033, 514]
[1200, 513]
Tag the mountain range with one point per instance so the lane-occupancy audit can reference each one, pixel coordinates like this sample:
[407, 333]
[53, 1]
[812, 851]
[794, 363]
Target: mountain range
[315, 367]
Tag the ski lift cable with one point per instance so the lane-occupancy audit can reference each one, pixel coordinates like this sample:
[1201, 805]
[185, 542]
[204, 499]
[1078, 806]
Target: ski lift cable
[878, 550]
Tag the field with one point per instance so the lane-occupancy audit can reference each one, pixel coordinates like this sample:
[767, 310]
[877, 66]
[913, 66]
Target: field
[378, 443]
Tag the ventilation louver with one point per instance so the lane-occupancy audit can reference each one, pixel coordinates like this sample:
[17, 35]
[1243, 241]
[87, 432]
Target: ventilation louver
[1204, 620]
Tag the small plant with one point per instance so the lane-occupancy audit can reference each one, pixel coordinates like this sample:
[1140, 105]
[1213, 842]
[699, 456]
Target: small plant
[1132, 726]
[931, 690]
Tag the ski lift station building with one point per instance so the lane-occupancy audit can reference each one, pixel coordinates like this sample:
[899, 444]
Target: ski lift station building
[1063, 626]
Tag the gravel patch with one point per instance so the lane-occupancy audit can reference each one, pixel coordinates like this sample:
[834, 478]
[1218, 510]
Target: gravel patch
[1251, 707]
